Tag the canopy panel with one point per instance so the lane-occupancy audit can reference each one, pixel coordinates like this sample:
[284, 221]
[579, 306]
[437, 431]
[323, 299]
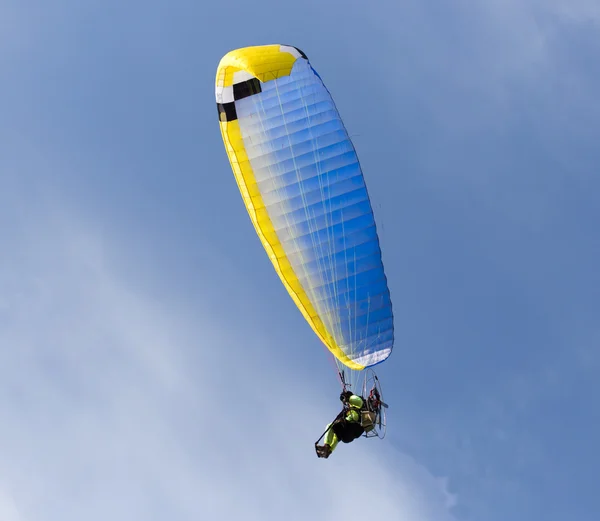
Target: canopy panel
[303, 187]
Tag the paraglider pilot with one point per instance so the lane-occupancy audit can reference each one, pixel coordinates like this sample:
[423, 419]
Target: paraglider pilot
[346, 427]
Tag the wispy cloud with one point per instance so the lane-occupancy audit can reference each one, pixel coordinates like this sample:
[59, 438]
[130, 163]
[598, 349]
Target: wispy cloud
[8, 509]
[111, 408]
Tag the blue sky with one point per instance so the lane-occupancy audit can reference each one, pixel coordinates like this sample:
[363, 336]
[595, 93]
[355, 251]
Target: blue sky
[151, 364]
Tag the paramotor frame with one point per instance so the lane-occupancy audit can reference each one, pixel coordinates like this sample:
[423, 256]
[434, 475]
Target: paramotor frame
[375, 406]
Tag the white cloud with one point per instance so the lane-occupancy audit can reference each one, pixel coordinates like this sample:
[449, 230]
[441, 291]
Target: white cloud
[8, 509]
[115, 406]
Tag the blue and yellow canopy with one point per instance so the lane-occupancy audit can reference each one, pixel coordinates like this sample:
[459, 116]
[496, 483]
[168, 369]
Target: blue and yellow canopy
[303, 187]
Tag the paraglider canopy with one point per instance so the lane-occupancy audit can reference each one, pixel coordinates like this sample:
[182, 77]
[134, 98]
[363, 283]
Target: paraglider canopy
[301, 181]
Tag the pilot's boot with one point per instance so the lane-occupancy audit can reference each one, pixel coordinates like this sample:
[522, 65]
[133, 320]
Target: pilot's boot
[323, 451]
